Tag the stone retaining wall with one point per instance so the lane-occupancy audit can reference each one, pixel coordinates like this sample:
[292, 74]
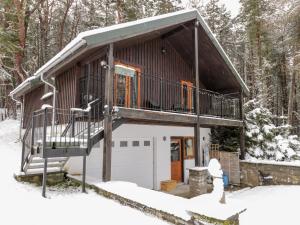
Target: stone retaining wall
[255, 174]
[52, 178]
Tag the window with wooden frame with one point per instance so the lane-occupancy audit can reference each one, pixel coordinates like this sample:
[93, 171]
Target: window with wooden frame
[189, 149]
[186, 95]
[127, 85]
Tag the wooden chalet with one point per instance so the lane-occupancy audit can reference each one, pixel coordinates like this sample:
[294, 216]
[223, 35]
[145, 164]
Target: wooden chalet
[163, 74]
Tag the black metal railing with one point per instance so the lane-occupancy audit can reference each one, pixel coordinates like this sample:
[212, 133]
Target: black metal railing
[26, 145]
[71, 128]
[155, 93]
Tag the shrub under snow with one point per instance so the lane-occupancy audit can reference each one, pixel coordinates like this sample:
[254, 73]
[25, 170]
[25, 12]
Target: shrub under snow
[264, 139]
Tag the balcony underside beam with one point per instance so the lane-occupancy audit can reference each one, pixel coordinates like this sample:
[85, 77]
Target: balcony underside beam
[175, 118]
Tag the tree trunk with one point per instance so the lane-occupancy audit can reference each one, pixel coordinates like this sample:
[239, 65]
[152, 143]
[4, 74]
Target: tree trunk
[291, 98]
[62, 24]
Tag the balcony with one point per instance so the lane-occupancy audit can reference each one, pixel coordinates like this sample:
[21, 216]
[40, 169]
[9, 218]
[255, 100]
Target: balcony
[153, 93]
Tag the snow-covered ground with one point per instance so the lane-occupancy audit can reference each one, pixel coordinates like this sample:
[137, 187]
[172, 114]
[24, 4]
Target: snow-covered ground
[22, 203]
[276, 205]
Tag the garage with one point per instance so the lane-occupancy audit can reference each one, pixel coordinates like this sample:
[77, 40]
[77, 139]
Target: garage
[132, 160]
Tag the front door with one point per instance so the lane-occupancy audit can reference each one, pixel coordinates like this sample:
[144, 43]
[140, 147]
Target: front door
[176, 159]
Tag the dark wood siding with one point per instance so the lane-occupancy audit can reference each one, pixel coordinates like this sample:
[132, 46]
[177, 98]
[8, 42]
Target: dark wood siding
[155, 64]
[33, 102]
[148, 55]
[67, 85]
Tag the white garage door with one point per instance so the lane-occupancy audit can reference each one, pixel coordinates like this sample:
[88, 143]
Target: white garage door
[132, 160]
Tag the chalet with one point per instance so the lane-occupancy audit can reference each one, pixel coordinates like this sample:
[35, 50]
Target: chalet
[133, 101]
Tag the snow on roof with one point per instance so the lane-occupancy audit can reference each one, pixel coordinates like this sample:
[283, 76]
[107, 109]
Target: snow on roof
[105, 35]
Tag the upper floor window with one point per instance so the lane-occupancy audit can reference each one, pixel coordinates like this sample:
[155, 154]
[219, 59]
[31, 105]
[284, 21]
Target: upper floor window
[186, 96]
[127, 86]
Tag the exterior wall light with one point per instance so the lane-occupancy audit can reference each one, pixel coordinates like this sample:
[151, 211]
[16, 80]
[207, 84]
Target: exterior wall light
[103, 63]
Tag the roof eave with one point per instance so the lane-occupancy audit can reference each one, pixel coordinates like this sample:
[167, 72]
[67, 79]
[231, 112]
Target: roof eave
[223, 54]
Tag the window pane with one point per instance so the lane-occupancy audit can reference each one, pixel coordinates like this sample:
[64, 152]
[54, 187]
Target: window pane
[146, 143]
[123, 143]
[189, 148]
[135, 143]
[175, 151]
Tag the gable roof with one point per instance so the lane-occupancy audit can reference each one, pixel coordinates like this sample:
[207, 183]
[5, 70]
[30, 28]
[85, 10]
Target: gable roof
[102, 36]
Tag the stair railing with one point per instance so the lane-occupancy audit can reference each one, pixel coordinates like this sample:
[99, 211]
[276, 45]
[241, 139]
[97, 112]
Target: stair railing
[26, 144]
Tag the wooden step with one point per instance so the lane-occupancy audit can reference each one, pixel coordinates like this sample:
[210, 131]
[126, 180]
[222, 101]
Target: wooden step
[41, 165]
[41, 170]
[41, 160]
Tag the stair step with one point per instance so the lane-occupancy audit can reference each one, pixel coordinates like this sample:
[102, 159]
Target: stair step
[41, 160]
[41, 170]
[41, 165]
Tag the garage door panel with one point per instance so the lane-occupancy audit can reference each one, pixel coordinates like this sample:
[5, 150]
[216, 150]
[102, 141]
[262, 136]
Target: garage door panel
[133, 163]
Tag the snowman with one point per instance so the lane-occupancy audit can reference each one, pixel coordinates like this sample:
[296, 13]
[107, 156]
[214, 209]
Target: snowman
[214, 168]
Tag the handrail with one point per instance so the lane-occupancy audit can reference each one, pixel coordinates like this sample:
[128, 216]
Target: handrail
[24, 146]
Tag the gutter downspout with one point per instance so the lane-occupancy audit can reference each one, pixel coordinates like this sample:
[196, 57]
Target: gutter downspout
[54, 101]
[21, 116]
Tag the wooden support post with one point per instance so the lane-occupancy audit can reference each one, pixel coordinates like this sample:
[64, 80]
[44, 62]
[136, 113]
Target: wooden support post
[198, 153]
[107, 143]
[45, 177]
[242, 129]
[83, 174]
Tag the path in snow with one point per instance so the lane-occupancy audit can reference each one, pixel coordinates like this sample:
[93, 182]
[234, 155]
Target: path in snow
[23, 204]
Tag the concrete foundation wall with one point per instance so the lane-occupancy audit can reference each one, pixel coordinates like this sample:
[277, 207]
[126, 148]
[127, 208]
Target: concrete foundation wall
[146, 167]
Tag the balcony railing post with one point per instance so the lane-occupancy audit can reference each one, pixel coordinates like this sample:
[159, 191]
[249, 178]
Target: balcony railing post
[89, 130]
[221, 106]
[32, 133]
[161, 94]
[73, 123]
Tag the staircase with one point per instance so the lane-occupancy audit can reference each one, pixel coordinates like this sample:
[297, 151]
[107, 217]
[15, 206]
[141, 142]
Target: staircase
[74, 133]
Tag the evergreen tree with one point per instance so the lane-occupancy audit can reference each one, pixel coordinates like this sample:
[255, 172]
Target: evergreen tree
[265, 140]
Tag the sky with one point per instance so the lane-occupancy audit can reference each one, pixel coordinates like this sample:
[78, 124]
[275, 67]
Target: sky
[232, 5]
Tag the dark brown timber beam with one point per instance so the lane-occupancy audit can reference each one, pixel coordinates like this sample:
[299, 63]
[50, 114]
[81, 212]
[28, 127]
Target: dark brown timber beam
[198, 152]
[107, 143]
[174, 118]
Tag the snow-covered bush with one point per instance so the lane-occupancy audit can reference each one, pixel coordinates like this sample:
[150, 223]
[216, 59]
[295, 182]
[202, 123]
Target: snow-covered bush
[264, 139]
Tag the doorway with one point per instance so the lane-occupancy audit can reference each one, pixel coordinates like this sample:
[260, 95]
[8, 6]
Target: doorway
[176, 159]
[182, 157]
